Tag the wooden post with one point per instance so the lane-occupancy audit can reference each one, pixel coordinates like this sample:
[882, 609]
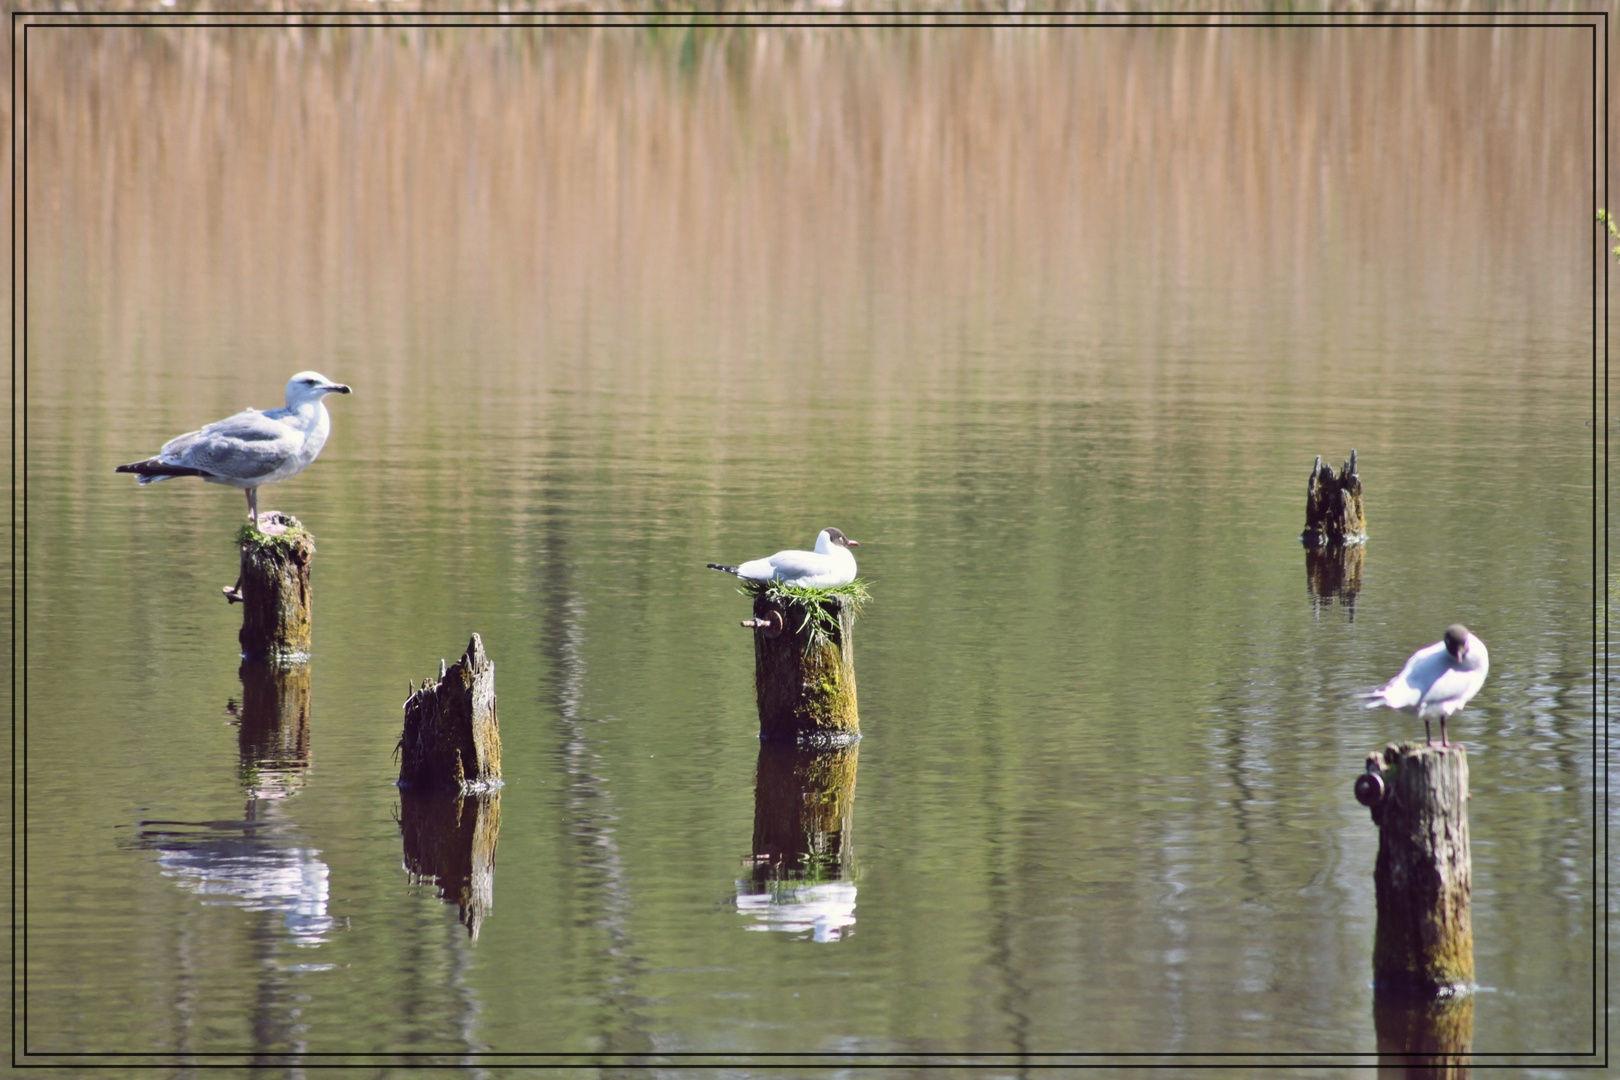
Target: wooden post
[1424, 943]
[804, 670]
[1333, 511]
[449, 839]
[452, 739]
[804, 800]
[273, 732]
[274, 588]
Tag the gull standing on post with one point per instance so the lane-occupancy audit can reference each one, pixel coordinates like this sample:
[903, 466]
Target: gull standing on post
[830, 565]
[252, 447]
[1437, 680]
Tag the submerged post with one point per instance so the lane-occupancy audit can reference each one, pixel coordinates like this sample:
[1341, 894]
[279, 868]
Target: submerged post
[1333, 511]
[274, 588]
[452, 739]
[804, 667]
[1424, 942]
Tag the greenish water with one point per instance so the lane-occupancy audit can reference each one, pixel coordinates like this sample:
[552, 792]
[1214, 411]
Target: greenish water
[1103, 800]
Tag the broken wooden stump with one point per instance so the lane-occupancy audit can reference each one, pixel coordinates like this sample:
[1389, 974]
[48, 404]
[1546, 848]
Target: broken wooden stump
[451, 738]
[274, 589]
[1333, 513]
[1423, 946]
[273, 727]
[804, 666]
[449, 840]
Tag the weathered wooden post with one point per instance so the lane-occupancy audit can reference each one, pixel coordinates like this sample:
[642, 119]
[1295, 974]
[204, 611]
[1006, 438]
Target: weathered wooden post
[449, 839]
[273, 727]
[804, 666]
[274, 588]
[1333, 513]
[452, 739]
[1423, 946]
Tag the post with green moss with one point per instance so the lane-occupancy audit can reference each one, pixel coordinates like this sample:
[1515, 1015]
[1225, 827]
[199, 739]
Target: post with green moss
[274, 588]
[452, 738]
[804, 663]
[1423, 946]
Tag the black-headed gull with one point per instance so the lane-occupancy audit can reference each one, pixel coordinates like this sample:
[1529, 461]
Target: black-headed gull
[830, 565]
[1438, 680]
[252, 447]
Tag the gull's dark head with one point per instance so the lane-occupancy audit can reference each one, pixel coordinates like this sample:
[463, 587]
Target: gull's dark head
[1456, 640]
[837, 537]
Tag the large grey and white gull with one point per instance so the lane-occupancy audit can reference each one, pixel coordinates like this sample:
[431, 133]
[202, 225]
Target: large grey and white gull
[1438, 680]
[252, 447]
[831, 564]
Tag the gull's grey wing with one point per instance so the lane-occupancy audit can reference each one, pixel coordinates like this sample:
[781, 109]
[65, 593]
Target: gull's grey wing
[241, 447]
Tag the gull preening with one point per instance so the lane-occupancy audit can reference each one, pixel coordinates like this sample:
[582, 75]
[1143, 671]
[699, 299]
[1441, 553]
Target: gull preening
[252, 447]
[1438, 680]
[830, 565]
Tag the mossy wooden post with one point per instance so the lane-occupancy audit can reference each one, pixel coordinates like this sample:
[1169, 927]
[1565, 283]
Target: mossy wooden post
[1424, 942]
[452, 739]
[804, 800]
[1333, 512]
[449, 839]
[274, 588]
[804, 670]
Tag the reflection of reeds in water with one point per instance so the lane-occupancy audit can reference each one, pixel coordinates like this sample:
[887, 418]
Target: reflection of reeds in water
[515, 190]
[449, 839]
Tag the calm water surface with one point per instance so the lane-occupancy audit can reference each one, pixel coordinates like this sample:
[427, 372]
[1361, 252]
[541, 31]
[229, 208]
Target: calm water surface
[1054, 323]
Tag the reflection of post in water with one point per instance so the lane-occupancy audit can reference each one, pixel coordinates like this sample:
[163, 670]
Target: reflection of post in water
[273, 727]
[450, 839]
[804, 801]
[1424, 1038]
[1334, 573]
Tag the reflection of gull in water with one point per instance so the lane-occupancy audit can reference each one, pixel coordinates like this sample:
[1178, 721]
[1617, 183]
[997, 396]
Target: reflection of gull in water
[252, 872]
[824, 909]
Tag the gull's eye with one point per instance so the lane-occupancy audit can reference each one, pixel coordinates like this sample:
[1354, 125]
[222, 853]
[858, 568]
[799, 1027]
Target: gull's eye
[309, 382]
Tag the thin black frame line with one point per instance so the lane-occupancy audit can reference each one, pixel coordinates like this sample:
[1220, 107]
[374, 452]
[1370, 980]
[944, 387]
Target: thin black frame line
[12, 150]
[19, 131]
[20, 626]
[1604, 683]
[156, 22]
[687, 19]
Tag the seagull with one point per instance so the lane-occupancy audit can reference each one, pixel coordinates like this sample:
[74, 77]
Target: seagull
[1438, 680]
[252, 447]
[830, 565]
